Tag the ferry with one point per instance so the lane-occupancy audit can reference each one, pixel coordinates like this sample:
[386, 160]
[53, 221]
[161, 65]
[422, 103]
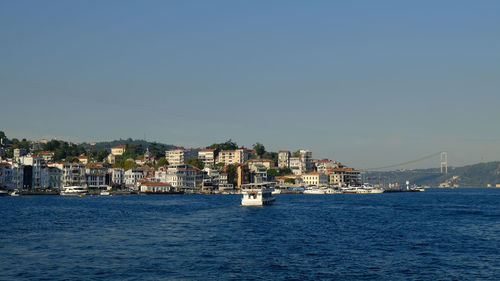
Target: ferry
[74, 190]
[257, 194]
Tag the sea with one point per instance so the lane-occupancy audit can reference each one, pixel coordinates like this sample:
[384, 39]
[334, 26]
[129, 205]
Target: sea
[439, 234]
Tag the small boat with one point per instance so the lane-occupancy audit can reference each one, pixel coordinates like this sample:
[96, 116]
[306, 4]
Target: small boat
[314, 190]
[4, 193]
[14, 193]
[257, 194]
[104, 193]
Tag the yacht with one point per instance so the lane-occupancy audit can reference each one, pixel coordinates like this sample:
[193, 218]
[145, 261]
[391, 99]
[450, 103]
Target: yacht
[15, 192]
[74, 190]
[257, 194]
[314, 190]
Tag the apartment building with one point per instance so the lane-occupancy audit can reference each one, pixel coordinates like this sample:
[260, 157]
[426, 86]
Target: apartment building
[236, 156]
[315, 179]
[207, 156]
[284, 159]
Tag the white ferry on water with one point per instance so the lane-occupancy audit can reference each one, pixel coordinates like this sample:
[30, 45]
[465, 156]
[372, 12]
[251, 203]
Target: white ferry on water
[257, 194]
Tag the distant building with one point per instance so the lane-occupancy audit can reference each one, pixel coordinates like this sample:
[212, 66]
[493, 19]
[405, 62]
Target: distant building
[83, 159]
[262, 162]
[133, 176]
[155, 187]
[46, 155]
[184, 175]
[178, 156]
[344, 177]
[118, 150]
[19, 152]
[284, 159]
[96, 175]
[243, 173]
[236, 156]
[207, 156]
[73, 174]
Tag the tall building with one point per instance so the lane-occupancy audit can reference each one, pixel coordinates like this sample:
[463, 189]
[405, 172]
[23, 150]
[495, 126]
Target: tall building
[207, 156]
[178, 156]
[284, 159]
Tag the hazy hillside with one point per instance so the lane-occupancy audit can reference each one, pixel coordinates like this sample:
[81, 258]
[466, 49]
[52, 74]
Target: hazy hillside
[477, 175]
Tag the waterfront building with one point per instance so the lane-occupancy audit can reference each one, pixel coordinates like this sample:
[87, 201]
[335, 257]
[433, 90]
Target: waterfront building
[284, 159]
[96, 175]
[73, 174]
[315, 178]
[6, 175]
[184, 175]
[344, 177]
[118, 150]
[325, 164]
[133, 176]
[117, 176]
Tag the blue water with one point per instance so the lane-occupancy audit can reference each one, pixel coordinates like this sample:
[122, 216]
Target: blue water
[436, 234]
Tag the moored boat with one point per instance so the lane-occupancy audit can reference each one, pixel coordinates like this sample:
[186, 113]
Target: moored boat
[74, 190]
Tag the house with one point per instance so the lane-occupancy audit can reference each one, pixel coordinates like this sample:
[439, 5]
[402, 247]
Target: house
[315, 178]
[118, 150]
[111, 159]
[268, 163]
[83, 159]
[46, 155]
[207, 156]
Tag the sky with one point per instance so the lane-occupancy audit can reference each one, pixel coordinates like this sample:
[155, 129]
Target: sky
[367, 83]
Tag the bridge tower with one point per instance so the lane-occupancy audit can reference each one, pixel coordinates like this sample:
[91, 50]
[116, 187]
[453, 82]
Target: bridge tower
[444, 162]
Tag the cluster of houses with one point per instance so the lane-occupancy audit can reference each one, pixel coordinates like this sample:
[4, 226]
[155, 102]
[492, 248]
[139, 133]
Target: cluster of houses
[27, 171]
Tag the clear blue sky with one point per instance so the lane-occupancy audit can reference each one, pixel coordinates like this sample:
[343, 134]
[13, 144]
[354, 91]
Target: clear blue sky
[368, 83]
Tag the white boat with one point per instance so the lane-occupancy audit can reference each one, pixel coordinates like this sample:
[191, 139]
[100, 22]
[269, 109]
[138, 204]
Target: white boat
[257, 194]
[73, 190]
[314, 191]
[105, 193]
[277, 191]
[14, 193]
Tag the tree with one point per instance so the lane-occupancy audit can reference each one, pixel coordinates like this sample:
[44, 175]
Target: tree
[296, 153]
[161, 162]
[228, 145]
[195, 162]
[231, 174]
[292, 181]
[220, 165]
[285, 171]
[272, 173]
[129, 164]
[259, 149]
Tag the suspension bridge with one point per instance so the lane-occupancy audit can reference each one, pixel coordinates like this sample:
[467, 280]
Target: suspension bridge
[443, 163]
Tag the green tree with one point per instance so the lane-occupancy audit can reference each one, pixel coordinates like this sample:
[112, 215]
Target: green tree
[195, 162]
[220, 165]
[231, 174]
[285, 171]
[259, 149]
[161, 162]
[296, 153]
[228, 145]
[292, 181]
[272, 173]
[128, 164]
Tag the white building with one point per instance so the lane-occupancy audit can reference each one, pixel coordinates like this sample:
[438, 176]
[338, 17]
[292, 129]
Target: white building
[73, 174]
[297, 166]
[207, 156]
[178, 156]
[284, 159]
[95, 175]
[117, 176]
[132, 176]
[315, 178]
[118, 150]
[183, 175]
[156, 187]
[306, 158]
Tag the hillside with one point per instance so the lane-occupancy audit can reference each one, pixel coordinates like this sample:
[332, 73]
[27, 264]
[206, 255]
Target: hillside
[477, 175]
